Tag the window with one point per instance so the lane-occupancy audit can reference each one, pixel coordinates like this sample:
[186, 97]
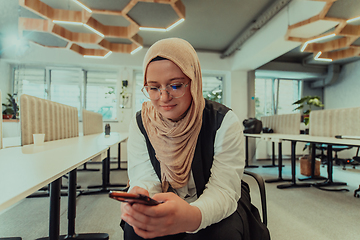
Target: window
[92, 90]
[139, 96]
[30, 81]
[101, 93]
[263, 98]
[212, 88]
[65, 87]
[275, 96]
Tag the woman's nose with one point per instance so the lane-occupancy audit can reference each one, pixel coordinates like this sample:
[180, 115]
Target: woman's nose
[166, 96]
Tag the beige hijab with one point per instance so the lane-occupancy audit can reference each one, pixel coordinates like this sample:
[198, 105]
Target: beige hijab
[175, 142]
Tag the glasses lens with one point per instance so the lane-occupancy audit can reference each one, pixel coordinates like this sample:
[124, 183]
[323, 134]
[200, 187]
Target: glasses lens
[151, 92]
[176, 90]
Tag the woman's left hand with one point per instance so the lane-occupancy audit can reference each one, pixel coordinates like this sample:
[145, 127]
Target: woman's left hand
[172, 216]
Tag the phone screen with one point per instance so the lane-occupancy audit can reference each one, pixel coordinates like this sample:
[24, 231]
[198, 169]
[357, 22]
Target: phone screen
[132, 198]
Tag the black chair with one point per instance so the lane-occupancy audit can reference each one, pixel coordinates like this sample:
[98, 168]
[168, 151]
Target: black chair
[261, 183]
[336, 149]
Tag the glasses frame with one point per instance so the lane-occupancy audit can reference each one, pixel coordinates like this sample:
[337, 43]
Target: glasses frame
[159, 90]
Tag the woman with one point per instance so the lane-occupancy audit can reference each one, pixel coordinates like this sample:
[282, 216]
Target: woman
[183, 151]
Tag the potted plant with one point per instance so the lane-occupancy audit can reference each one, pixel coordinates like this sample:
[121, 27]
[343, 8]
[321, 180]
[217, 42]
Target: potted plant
[11, 108]
[306, 164]
[308, 101]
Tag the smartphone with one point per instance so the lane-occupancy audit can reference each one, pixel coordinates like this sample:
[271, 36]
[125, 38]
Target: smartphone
[132, 198]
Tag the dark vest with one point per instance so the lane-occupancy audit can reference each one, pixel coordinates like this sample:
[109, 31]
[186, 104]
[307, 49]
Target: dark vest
[213, 115]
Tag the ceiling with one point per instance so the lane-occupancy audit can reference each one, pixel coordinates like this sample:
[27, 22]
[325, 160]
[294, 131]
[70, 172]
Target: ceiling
[217, 26]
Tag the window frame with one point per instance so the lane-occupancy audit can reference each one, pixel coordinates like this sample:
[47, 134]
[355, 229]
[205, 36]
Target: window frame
[82, 83]
[275, 93]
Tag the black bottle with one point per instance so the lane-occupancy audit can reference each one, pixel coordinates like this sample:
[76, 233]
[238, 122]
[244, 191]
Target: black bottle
[107, 129]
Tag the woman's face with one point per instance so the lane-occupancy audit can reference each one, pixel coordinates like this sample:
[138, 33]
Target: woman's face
[160, 74]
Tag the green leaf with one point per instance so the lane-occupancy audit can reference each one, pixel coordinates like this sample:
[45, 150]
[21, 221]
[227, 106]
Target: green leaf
[299, 107]
[306, 121]
[306, 112]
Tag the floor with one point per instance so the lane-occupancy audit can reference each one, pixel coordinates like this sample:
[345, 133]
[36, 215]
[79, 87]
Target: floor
[294, 213]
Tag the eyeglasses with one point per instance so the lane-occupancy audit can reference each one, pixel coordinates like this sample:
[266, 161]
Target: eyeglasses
[175, 90]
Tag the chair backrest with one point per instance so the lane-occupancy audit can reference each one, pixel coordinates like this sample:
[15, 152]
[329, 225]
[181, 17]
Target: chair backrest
[332, 122]
[55, 120]
[92, 122]
[261, 184]
[254, 227]
[1, 137]
[284, 123]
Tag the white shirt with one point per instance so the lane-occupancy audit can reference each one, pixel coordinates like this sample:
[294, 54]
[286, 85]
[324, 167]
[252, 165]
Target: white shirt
[222, 192]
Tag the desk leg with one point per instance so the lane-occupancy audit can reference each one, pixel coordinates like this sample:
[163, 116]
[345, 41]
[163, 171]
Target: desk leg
[108, 184]
[72, 215]
[54, 224]
[272, 158]
[54, 218]
[88, 169]
[105, 179]
[279, 179]
[247, 154]
[118, 160]
[329, 182]
[293, 171]
[312, 177]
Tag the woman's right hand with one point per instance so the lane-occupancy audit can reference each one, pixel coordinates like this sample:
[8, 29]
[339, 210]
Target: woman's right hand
[135, 190]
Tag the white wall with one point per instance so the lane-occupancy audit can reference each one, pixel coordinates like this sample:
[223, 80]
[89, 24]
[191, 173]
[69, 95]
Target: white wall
[239, 93]
[5, 75]
[346, 91]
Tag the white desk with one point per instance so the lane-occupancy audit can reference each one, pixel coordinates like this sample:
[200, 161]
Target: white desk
[24, 170]
[268, 137]
[11, 142]
[311, 139]
[110, 141]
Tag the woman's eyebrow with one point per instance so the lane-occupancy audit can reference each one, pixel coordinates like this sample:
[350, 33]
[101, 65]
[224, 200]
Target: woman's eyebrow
[171, 80]
[177, 78]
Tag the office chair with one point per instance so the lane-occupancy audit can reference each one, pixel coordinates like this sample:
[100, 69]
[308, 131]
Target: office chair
[336, 149]
[261, 185]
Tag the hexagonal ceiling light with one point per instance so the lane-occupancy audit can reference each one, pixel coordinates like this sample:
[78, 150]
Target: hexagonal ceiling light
[338, 43]
[88, 36]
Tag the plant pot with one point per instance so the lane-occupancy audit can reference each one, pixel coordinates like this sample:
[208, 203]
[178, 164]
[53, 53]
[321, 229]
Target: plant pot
[305, 166]
[7, 116]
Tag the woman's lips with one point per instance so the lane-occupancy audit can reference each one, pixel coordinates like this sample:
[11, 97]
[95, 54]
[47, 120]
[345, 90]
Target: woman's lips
[168, 107]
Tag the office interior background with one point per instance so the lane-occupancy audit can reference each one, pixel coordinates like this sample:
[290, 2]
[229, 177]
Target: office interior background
[256, 70]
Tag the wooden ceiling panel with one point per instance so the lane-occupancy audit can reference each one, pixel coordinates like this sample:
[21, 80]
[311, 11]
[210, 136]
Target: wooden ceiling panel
[312, 29]
[89, 26]
[317, 34]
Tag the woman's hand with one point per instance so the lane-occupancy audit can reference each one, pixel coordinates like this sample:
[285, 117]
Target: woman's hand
[172, 216]
[134, 190]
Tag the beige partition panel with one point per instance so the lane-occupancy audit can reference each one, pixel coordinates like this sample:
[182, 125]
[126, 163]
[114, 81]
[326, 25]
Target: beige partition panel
[285, 123]
[1, 140]
[92, 122]
[332, 122]
[57, 121]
